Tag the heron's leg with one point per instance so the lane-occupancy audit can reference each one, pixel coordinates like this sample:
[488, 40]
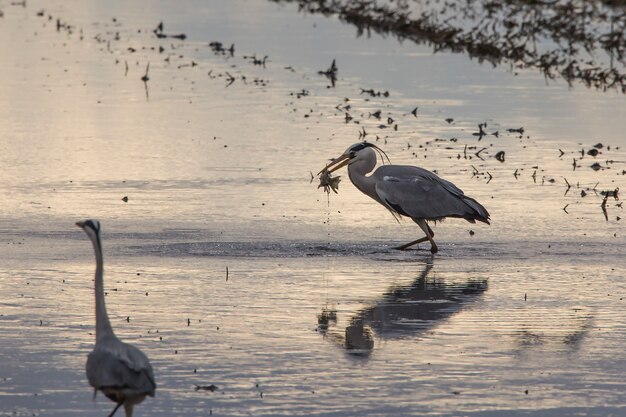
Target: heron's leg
[429, 234]
[415, 242]
[128, 408]
[420, 240]
[115, 409]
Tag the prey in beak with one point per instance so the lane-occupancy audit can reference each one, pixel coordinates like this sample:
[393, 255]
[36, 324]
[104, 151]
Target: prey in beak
[327, 181]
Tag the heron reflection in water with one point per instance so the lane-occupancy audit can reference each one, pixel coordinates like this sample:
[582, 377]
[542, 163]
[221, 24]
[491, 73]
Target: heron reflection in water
[403, 310]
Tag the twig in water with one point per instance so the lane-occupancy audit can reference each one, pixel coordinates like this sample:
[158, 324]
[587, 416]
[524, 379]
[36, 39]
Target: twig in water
[478, 153]
[568, 186]
[231, 79]
[145, 77]
[211, 387]
[603, 205]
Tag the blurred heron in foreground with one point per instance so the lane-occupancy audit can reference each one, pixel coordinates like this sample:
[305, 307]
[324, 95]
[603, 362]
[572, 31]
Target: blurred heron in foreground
[407, 190]
[121, 371]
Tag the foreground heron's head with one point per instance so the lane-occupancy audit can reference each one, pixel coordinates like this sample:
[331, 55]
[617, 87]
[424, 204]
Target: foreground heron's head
[91, 227]
[363, 151]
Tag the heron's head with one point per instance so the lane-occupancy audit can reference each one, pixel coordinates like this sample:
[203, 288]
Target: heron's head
[359, 152]
[91, 227]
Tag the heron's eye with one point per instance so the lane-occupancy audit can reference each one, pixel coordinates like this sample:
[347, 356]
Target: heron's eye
[352, 154]
[93, 224]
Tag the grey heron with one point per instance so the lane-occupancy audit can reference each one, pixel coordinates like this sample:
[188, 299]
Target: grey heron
[407, 190]
[120, 370]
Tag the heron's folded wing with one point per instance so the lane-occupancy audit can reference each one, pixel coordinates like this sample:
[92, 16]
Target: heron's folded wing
[421, 195]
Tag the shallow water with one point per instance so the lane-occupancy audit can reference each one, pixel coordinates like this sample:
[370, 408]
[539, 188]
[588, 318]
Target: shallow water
[318, 315]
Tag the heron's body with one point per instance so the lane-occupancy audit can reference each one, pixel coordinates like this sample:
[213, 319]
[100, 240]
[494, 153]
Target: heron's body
[409, 191]
[121, 371]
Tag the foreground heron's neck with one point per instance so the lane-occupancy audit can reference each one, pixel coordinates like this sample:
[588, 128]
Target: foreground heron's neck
[103, 325]
[366, 184]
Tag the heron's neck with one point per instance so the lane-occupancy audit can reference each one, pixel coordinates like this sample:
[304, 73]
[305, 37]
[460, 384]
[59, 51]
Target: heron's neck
[366, 184]
[103, 325]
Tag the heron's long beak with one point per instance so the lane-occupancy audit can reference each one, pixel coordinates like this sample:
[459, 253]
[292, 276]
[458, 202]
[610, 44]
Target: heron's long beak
[342, 161]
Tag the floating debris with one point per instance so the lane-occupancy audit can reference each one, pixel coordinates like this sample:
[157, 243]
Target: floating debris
[211, 388]
[145, 78]
[158, 31]
[219, 49]
[481, 132]
[500, 156]
[229, 78]
[373, 93]
[603, 206]
[330, 73]
[192, 64]
[362, 133]
[300, 94]
[611, 193]
[478, 153]
[257, 61]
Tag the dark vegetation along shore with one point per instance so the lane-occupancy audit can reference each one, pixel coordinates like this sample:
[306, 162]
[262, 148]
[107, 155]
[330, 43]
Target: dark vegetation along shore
[580, 41]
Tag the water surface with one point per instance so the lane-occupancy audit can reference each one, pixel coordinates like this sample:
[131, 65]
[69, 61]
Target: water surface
[318, 316]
